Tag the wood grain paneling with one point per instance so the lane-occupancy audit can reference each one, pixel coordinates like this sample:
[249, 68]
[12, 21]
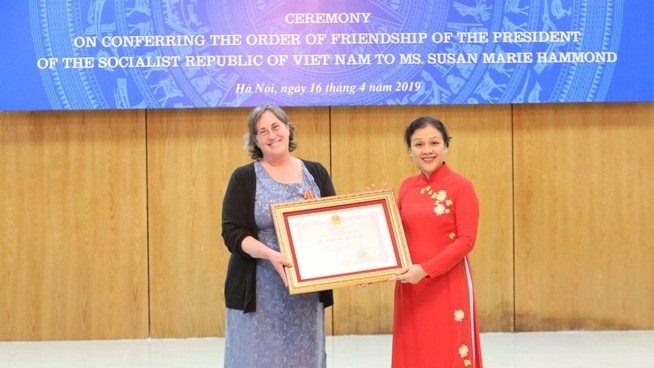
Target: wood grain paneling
[97, 204]
[73, 233]
[368, 147]
[191, 155]
[584, 199]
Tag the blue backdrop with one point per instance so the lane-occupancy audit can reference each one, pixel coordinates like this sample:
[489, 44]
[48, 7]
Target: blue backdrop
[132, 54]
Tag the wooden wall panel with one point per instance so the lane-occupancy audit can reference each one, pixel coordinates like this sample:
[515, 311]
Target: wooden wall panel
[368, 147]
[191, 155]
[73, 234]
[584, 203]
[84, 193]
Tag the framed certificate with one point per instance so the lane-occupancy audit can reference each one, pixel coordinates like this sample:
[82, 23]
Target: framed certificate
[340, 241]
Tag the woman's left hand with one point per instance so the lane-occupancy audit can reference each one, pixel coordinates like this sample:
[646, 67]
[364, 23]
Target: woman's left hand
[412, 274]
[280, 263]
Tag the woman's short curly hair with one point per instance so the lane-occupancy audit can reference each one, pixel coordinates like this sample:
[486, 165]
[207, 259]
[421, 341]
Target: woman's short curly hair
[250, 140]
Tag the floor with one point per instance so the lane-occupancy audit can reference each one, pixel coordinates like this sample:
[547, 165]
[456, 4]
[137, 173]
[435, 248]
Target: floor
[606, 349]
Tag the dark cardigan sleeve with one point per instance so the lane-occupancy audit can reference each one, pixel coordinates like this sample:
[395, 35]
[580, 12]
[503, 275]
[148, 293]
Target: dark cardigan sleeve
[237, 224]
[237, 213]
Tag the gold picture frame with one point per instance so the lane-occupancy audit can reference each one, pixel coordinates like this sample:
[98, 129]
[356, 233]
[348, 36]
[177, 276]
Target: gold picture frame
[342, 240]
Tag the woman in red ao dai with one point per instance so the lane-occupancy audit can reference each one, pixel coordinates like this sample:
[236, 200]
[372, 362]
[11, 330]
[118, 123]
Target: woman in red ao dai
[435, 321]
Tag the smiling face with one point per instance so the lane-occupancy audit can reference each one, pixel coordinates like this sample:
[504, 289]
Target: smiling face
[428, 149]
[272, 136]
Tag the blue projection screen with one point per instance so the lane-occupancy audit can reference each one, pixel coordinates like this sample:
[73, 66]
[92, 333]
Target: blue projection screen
[136, 54]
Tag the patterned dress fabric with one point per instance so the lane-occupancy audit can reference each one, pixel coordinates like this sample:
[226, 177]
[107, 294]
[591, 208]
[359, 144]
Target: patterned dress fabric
[285, 330]
[435, 321]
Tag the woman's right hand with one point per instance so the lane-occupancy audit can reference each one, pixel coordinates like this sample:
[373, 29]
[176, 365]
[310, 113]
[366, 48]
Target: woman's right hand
[412, 274]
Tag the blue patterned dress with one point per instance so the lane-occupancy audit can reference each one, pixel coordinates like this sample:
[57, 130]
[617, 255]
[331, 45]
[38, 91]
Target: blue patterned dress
[285, 330]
